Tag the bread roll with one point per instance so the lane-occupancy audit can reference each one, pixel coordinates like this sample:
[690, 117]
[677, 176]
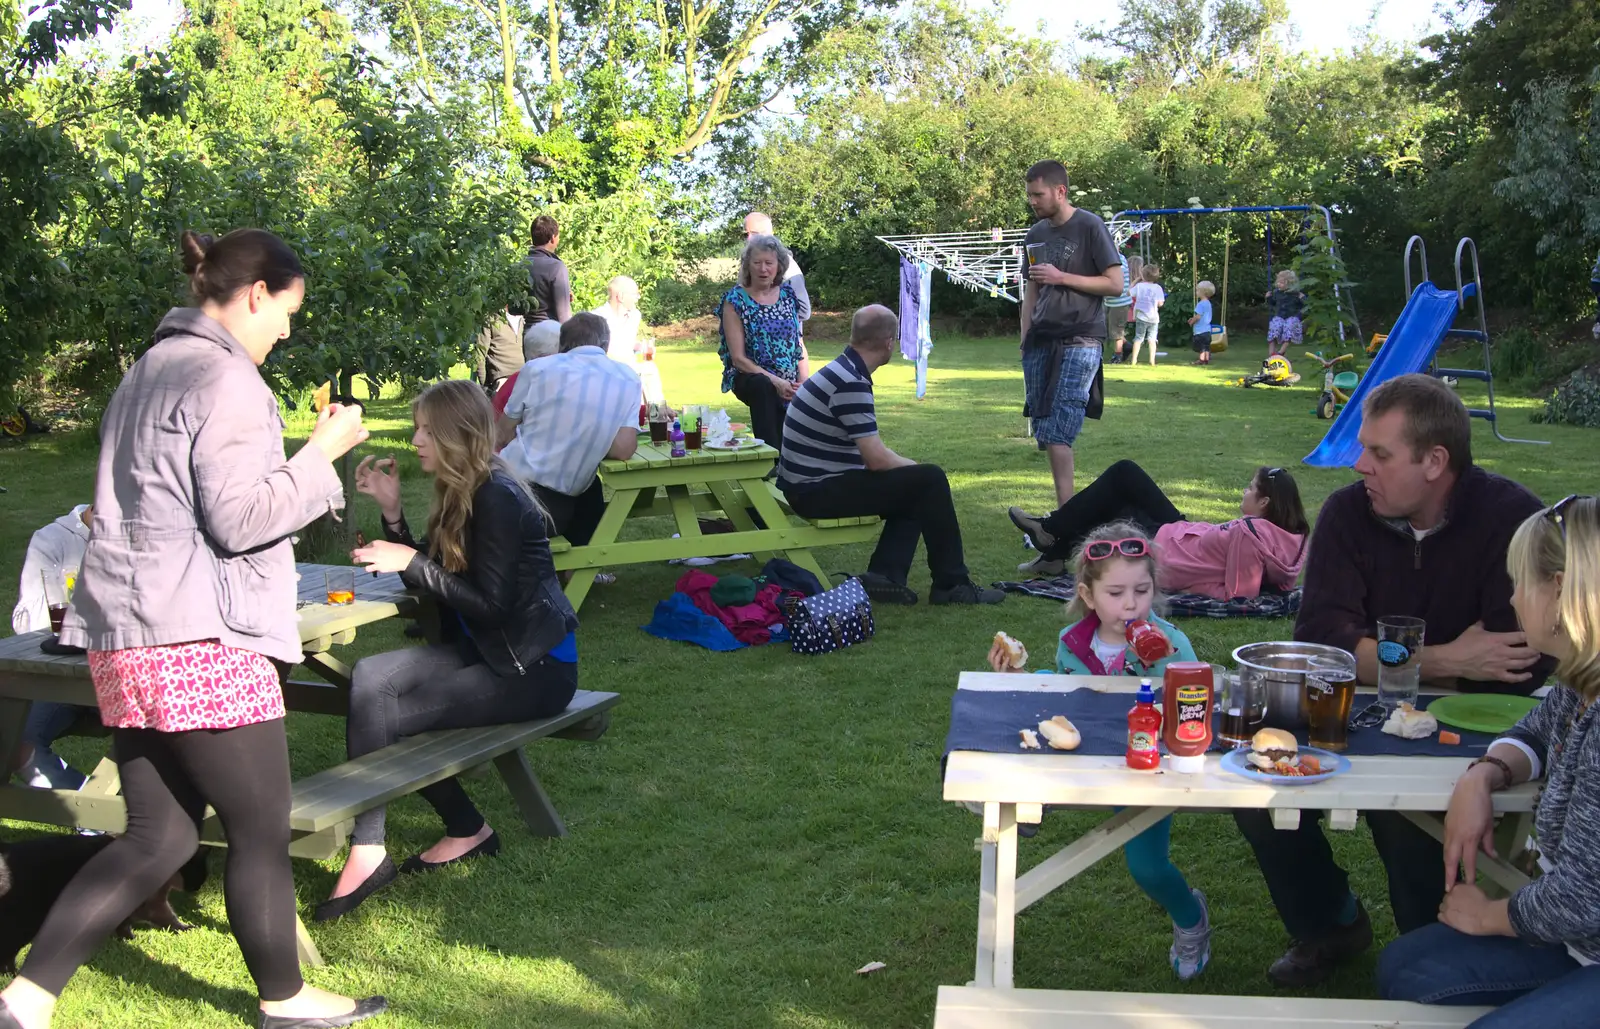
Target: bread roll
[1060, 734]
[1016, 653]
[1030, 739]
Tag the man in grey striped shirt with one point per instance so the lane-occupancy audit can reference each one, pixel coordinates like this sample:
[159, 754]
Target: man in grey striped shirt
[834, 465]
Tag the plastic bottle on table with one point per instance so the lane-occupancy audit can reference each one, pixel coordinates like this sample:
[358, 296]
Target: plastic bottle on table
[1144, 730]
[676, 436]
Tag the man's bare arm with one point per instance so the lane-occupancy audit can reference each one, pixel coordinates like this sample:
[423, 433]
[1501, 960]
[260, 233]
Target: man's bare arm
[879, 458]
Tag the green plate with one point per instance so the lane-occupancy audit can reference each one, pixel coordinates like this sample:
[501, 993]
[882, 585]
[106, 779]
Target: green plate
[1482, 712]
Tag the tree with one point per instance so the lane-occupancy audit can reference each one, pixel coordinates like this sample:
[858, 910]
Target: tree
[1171, 42]
[594, 92]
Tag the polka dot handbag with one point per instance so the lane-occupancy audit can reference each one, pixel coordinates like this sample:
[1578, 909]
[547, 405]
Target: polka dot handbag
[831, 621]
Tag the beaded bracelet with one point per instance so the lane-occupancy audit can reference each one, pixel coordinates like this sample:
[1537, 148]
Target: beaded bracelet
[1486, 759]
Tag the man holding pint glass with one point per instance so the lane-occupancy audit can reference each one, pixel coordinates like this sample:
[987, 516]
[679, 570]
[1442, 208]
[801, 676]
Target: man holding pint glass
[1407, 572]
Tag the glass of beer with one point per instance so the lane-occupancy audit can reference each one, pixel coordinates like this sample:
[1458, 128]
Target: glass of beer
[1330, 689]
[1035, 253]
[56, 597]
[341, 585]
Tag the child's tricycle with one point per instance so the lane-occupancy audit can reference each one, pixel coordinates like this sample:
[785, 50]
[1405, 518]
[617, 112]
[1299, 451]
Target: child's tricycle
[1275, 371]
[1336, 388]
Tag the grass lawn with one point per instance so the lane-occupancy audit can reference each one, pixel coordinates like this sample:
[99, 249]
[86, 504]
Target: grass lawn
[757, 825]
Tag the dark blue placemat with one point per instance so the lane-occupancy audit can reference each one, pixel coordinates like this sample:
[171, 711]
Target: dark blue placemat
[988, 721]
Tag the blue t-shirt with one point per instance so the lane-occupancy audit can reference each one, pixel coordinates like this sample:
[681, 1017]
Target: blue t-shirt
[1202, 321]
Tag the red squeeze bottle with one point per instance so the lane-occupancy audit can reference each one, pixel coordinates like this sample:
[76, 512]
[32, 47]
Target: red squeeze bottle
[1186, 696]
[1147, 641]
[1144, 730]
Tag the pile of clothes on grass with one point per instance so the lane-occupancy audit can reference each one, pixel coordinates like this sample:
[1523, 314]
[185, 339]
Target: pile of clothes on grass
[733, 611]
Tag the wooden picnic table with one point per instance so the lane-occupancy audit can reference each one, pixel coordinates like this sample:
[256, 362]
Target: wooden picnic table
[731, 483]
[28, 674]
[324, 803]
[1014, 788]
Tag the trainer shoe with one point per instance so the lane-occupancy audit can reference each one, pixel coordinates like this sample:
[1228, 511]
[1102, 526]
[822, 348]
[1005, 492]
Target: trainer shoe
[1043, 567]
[1191, 948]
[1032, 528]
[967, 593]
[885, 590]
[1309, 962]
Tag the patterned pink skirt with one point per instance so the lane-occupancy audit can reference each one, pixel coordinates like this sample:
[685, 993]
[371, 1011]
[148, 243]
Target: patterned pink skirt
[184, 686]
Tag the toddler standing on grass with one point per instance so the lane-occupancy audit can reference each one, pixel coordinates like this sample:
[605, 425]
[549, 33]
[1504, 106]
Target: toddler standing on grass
[1286, 304]
[1116, 576]
[1201, 321]
[1148, 296]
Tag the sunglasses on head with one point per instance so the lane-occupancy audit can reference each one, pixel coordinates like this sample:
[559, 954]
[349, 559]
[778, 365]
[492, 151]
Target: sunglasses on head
[1273, 473]
[1557, 512]
[1099, 550]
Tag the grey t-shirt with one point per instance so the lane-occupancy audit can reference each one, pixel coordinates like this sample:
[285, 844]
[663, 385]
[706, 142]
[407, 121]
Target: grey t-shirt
[1080, 246]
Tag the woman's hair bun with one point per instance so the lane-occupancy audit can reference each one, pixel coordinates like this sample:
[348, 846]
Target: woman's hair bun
[195, 246]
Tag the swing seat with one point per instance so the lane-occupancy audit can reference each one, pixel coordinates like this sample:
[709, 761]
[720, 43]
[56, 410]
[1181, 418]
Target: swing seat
[1219, 339]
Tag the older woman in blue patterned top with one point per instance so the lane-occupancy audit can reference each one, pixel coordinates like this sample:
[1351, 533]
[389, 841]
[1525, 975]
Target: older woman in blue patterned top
[764, 359]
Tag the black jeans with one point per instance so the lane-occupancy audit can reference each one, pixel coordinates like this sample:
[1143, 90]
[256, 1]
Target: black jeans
[767, 409]
[913, 502]
[167, 780]
[1121, 491]
[405, 692]
[577, 517]
[1309, 889]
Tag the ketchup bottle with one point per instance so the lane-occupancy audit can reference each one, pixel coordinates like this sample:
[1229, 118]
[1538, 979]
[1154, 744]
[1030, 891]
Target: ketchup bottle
[1144, 730]
[1147, 641]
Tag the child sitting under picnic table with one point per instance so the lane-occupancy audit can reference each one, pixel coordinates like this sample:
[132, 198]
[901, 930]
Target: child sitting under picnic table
[1116, 571]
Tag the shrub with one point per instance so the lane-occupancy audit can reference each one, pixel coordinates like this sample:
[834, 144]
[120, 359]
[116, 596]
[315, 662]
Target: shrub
[672, 300]
[1575, 401]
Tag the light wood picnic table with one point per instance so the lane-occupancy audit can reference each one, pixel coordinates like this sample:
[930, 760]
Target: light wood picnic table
[1014, 788]
[28, 674]
[706, 481]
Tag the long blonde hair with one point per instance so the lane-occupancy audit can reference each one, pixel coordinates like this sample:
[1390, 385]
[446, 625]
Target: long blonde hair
[460, 421]
[1086, 572]
[1566, 543]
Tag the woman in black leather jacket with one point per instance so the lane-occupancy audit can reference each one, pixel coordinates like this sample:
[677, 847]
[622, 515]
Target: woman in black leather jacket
[508, 652]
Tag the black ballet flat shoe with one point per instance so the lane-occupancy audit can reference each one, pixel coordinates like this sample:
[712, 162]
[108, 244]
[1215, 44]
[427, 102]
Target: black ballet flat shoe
[488, 848]
[364, 1010]
[338, 907]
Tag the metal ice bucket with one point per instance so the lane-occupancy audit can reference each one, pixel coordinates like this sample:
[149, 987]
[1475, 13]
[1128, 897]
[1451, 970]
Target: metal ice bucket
[1282, 668]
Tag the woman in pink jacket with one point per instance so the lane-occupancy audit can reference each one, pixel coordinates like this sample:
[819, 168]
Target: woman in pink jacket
[1263, 549]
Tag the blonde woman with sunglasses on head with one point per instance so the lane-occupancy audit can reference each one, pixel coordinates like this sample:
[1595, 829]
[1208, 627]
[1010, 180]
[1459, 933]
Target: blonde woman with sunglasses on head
[1536, 953]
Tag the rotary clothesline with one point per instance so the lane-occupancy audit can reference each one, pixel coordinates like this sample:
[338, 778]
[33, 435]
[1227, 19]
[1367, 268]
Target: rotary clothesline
[985, 262]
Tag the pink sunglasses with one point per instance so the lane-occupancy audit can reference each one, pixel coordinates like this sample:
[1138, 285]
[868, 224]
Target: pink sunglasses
[1099, 550]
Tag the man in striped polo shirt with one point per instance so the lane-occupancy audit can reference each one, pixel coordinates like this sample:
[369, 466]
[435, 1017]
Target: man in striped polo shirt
[834, 465]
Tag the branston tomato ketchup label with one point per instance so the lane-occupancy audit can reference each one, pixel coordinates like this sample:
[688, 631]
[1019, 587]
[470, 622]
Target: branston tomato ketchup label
[1193, 713]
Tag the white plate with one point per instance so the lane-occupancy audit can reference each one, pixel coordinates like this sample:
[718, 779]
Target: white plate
[738, 444]
[1333, 764]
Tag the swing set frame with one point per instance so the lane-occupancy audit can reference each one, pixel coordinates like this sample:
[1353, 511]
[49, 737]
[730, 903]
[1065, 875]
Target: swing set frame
[1343, 294]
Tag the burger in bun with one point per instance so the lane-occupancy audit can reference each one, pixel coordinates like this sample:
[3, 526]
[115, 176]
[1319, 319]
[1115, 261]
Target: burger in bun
[1270, 748]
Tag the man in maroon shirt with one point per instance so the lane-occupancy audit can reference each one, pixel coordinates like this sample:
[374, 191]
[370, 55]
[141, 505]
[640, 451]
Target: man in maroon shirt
[1424, 533]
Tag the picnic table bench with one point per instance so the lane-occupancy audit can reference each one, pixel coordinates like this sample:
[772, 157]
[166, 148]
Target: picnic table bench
[731, 484]
[972, 1007]
[324, 804]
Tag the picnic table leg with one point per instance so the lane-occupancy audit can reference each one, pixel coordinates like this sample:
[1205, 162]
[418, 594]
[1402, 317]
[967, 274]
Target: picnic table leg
[983, 975]
[1098, 843]
[766, 505]
[617, 511]
[1005, 896]
[305, 946]
[1503, 877]
[532, 801]
[329, 667]
[13, 721]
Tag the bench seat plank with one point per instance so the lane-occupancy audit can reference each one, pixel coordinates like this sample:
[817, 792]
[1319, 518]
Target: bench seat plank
[329, 797]
[973, 1007]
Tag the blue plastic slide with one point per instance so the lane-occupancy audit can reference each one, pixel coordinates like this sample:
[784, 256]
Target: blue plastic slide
[1417, 333]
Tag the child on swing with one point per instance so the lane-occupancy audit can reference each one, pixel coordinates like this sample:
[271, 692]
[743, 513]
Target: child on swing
[1286, 304]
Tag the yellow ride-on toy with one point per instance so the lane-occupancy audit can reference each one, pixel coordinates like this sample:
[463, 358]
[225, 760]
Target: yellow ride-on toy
[1336, 387]
[1275, 371]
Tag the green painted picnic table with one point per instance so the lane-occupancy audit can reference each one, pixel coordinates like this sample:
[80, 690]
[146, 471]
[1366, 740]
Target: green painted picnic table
[731, 483]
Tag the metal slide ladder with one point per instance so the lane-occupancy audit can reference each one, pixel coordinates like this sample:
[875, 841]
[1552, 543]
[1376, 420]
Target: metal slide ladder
[1472, 290]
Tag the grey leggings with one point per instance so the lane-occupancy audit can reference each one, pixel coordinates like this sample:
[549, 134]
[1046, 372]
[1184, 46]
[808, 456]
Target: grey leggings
[405, 692]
